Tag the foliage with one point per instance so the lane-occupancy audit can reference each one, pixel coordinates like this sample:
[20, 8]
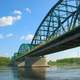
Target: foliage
[51, 63]
[66, 61]
[4, 61]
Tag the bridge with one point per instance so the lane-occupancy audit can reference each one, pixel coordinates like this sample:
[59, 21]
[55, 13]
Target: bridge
[58, 31]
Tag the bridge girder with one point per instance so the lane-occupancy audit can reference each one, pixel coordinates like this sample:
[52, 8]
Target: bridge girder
[62, 17]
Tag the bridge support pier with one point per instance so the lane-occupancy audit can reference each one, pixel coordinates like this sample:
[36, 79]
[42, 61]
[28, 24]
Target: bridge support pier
[35, 62]
[31, 62]
[21, 64]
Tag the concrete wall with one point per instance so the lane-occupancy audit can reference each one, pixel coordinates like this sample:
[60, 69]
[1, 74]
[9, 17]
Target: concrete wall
[21, 64]
[35, 62]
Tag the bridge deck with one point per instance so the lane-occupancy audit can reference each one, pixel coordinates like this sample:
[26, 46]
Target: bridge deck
[68, 40]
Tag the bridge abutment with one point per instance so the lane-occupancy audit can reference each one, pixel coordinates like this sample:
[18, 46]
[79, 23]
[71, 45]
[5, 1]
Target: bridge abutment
[35, 62]
[31, 62]
[21, 64]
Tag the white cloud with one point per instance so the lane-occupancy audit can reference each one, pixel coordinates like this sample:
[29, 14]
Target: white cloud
[27, 38]
[18, 17]
[9, 20]
[9, 35]
[17, 12]
[6, 36]
[1, 36]
[28, 10]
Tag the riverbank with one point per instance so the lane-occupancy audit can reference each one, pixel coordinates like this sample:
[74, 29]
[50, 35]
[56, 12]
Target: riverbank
[65, 62]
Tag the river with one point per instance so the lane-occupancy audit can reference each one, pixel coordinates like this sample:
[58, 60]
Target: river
[43, 73]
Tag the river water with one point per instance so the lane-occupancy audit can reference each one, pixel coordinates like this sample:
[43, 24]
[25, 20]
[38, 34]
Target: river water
[43, 73]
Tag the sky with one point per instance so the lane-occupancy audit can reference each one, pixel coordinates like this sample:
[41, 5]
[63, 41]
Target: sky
[19, 20]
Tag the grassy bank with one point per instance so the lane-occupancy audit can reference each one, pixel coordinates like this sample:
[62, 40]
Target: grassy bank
[67, 62]
[4, 61]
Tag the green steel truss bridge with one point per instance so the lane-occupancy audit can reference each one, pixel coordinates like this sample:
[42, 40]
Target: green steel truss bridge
[59, 30]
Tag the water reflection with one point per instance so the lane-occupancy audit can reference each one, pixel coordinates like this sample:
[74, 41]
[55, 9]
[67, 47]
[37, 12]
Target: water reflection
[32, 73]
[15, 72]
[6, 73]
[42, 73]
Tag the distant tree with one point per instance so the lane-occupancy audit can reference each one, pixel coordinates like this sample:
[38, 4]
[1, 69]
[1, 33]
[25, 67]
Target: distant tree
[66, 61]
[51, 63]
[4, 61]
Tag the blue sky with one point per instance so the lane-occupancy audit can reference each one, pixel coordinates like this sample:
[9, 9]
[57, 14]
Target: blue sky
[19, 20]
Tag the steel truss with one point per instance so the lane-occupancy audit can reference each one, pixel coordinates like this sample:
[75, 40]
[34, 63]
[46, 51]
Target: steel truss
[62, 17]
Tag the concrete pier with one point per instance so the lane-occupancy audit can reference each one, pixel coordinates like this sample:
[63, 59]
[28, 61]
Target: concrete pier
[36, 62]
[21, 64]
[31, 62]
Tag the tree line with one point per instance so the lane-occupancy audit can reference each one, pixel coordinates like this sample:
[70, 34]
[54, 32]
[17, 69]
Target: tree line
[66, 61]
[4, 61]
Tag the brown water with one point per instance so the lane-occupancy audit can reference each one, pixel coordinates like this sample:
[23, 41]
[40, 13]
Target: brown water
[51, 73]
